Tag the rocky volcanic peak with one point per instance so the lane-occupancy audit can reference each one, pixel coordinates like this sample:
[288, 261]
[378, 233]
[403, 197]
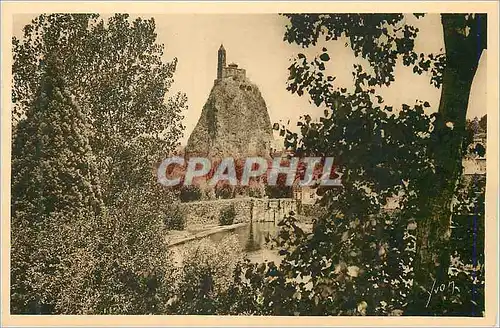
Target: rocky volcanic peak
[234, 122]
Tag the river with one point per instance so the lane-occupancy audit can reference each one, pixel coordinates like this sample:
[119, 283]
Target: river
[253, 239]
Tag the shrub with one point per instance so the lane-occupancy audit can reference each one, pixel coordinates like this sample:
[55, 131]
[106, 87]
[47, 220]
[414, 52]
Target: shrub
[206, 276]
[190, 194]
[175, 218]
[227, 215]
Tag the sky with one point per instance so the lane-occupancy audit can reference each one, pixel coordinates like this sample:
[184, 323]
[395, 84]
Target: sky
[255, 43]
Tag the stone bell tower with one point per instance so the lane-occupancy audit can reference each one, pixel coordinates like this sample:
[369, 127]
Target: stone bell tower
[221, 61]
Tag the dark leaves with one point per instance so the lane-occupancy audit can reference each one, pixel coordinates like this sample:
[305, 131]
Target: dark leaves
[324, 57]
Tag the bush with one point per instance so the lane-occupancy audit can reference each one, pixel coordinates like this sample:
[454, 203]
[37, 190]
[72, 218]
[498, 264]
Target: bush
[205, 277]
[190, 194]
[175, 219]
[227, 215]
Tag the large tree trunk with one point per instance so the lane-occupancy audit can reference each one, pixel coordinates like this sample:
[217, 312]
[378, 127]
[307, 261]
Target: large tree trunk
[463, 48]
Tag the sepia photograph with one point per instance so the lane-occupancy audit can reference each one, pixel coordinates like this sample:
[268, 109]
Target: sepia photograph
[290, 163]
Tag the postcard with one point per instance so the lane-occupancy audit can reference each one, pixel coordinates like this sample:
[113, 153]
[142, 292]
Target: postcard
[250, 164]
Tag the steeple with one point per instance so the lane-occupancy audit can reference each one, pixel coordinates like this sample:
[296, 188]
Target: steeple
[221, 61]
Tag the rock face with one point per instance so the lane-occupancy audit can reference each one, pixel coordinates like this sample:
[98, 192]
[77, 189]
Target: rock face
[234, 122]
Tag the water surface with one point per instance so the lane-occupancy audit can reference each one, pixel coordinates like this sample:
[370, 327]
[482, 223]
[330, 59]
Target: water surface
[253, 239]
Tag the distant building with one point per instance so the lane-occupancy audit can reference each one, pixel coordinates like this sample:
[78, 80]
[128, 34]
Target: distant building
[305, 194]
[475, 164]
[230, 70]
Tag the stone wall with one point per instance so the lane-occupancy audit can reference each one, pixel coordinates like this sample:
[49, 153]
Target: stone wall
[239, 73]
[206, 212]
[257, 209]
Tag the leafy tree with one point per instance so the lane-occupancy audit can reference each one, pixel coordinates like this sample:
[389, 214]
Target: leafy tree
[87, 214]
[467, 267]
[381, 154]
[114, 69]
[55, 194]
